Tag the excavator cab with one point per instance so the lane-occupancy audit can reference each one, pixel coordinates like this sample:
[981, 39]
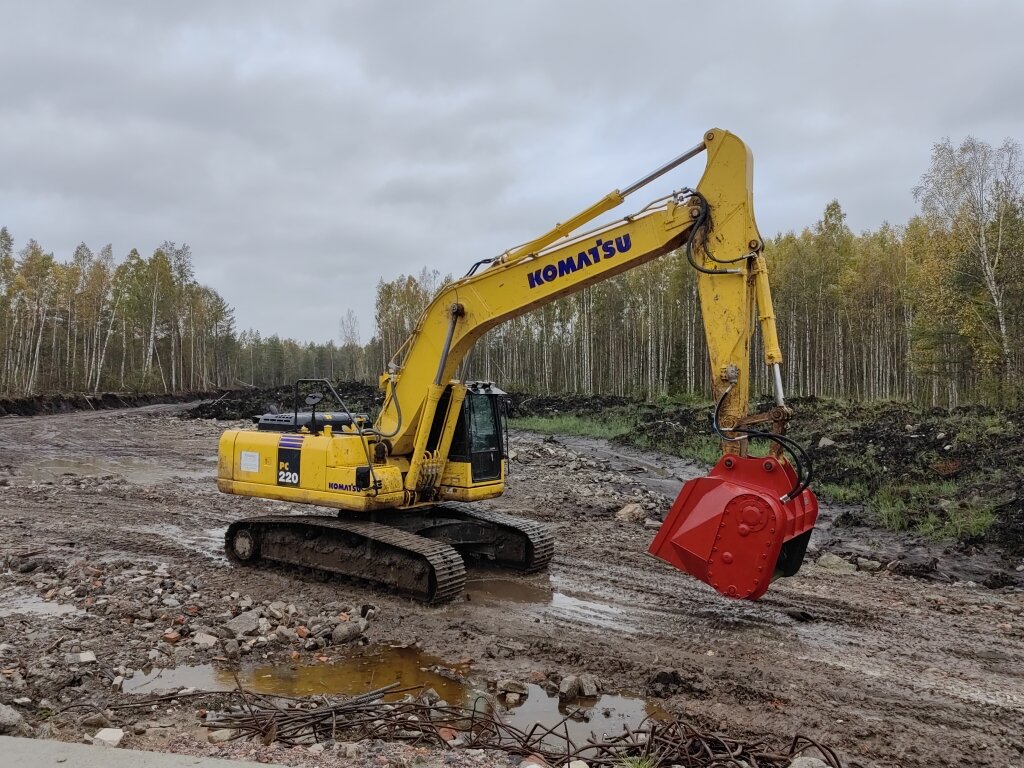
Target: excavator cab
[481, 435]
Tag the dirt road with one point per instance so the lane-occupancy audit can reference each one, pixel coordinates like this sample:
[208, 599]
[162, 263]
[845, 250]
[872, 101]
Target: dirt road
[890, 670]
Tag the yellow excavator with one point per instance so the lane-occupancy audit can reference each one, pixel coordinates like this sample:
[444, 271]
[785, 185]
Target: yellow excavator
[404, 484]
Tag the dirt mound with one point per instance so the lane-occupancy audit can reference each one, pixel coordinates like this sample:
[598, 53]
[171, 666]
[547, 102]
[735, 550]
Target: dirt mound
[42, 404]
[358, 396]
[524, 405]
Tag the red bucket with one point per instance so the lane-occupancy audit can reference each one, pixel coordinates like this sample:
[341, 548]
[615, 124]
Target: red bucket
[734, 530]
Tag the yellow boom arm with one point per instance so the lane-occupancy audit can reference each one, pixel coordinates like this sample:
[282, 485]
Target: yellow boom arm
[732, 281]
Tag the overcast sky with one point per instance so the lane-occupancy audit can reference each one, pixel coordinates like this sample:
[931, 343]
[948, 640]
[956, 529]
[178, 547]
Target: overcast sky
[306, 150]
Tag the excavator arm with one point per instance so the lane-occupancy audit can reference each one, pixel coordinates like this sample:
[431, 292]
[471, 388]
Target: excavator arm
[751, 518]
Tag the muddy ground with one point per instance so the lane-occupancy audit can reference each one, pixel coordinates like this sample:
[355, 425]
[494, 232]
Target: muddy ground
[110, 531]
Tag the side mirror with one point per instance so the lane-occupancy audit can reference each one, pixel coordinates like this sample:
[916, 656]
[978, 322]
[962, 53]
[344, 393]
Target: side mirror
[314, 397]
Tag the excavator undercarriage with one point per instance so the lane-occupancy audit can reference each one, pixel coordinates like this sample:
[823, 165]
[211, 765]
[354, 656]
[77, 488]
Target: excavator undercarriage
[419, 554]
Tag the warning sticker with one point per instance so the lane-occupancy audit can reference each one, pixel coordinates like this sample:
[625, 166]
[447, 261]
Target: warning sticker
[250, 461]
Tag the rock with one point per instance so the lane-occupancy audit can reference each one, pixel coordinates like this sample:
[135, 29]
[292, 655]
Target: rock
[512, 686]
[533, 761]
[117, 683]
[171, 636]
[513, 699]
[589, 685]
[204, 640]
[346, 632]
[631, 513]
[95, 720]
[652, 523]
[231, 649]
[825, 443]
[263, 626]
[108, 737]
[835, 563]
[430, 696]
[350, 750]
[221, 735]
[85, 657]
[569, 687]
[808, 762]
[871, 566]
[577, 764]
[11, 720]
[315, 749]
[139, 729]
[244, 624]
[301, 632]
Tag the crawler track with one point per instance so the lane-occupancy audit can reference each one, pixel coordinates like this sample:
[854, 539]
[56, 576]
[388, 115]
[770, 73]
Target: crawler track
[533, 541]
[427, 570]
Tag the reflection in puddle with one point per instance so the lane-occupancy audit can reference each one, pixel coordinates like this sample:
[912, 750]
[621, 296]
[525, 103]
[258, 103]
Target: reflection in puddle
[35, 606]
[378, 666]
[373, 667]
[505, 591]
[133, 470]
[607, 714]
[555, 603]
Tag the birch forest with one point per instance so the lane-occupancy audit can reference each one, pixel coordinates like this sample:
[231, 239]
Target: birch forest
[930, 310]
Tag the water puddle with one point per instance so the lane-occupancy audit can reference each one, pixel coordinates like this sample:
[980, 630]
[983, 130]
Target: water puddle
[554, 603]
[607, 714]
[372, 667]
[376, 666]
[11, 605]
[131, 469]
[505, 591]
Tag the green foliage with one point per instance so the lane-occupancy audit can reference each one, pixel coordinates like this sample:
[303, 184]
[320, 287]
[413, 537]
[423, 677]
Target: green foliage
[855, 492]
[607, 428]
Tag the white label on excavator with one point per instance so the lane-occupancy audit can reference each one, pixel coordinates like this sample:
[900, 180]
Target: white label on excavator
[250, 461]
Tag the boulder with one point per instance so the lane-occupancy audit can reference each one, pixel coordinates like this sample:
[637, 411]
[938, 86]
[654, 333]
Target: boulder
[835, 563]
[11, 720]
[244, 624]
[631, 513]
[221, 735]
[512, 686]
[346, 632]
[569, 688]
[204, 640]
[826, 443]
[108, 737]
[808, 762]
[589, 685]
[864, 564]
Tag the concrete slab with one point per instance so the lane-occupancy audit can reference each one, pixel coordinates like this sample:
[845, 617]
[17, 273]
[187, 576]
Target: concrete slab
[47, 753]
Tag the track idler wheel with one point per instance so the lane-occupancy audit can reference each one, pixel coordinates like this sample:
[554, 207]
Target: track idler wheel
[733, 530]
[242, 543]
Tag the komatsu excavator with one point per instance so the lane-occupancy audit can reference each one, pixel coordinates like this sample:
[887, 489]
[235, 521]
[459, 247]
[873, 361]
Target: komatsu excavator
[403, 484]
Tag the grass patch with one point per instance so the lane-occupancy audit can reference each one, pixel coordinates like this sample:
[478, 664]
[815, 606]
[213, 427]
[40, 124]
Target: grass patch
[847, 493]
[965, 520]
[566, 424]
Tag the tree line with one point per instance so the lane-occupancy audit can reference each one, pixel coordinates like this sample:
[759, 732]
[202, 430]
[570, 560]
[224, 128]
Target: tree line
[929, 310]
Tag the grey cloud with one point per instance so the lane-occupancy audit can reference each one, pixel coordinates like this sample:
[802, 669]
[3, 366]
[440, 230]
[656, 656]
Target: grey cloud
[305, 151]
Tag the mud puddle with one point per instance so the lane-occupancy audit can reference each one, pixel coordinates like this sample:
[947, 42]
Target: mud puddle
[134, 470]
[377, 666]
[551, 602]
[13, 604]
[370, 668]
[607, 714]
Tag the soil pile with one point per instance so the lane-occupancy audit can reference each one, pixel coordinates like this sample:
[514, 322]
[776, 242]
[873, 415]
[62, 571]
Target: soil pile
[40, 404]
[236, 404]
